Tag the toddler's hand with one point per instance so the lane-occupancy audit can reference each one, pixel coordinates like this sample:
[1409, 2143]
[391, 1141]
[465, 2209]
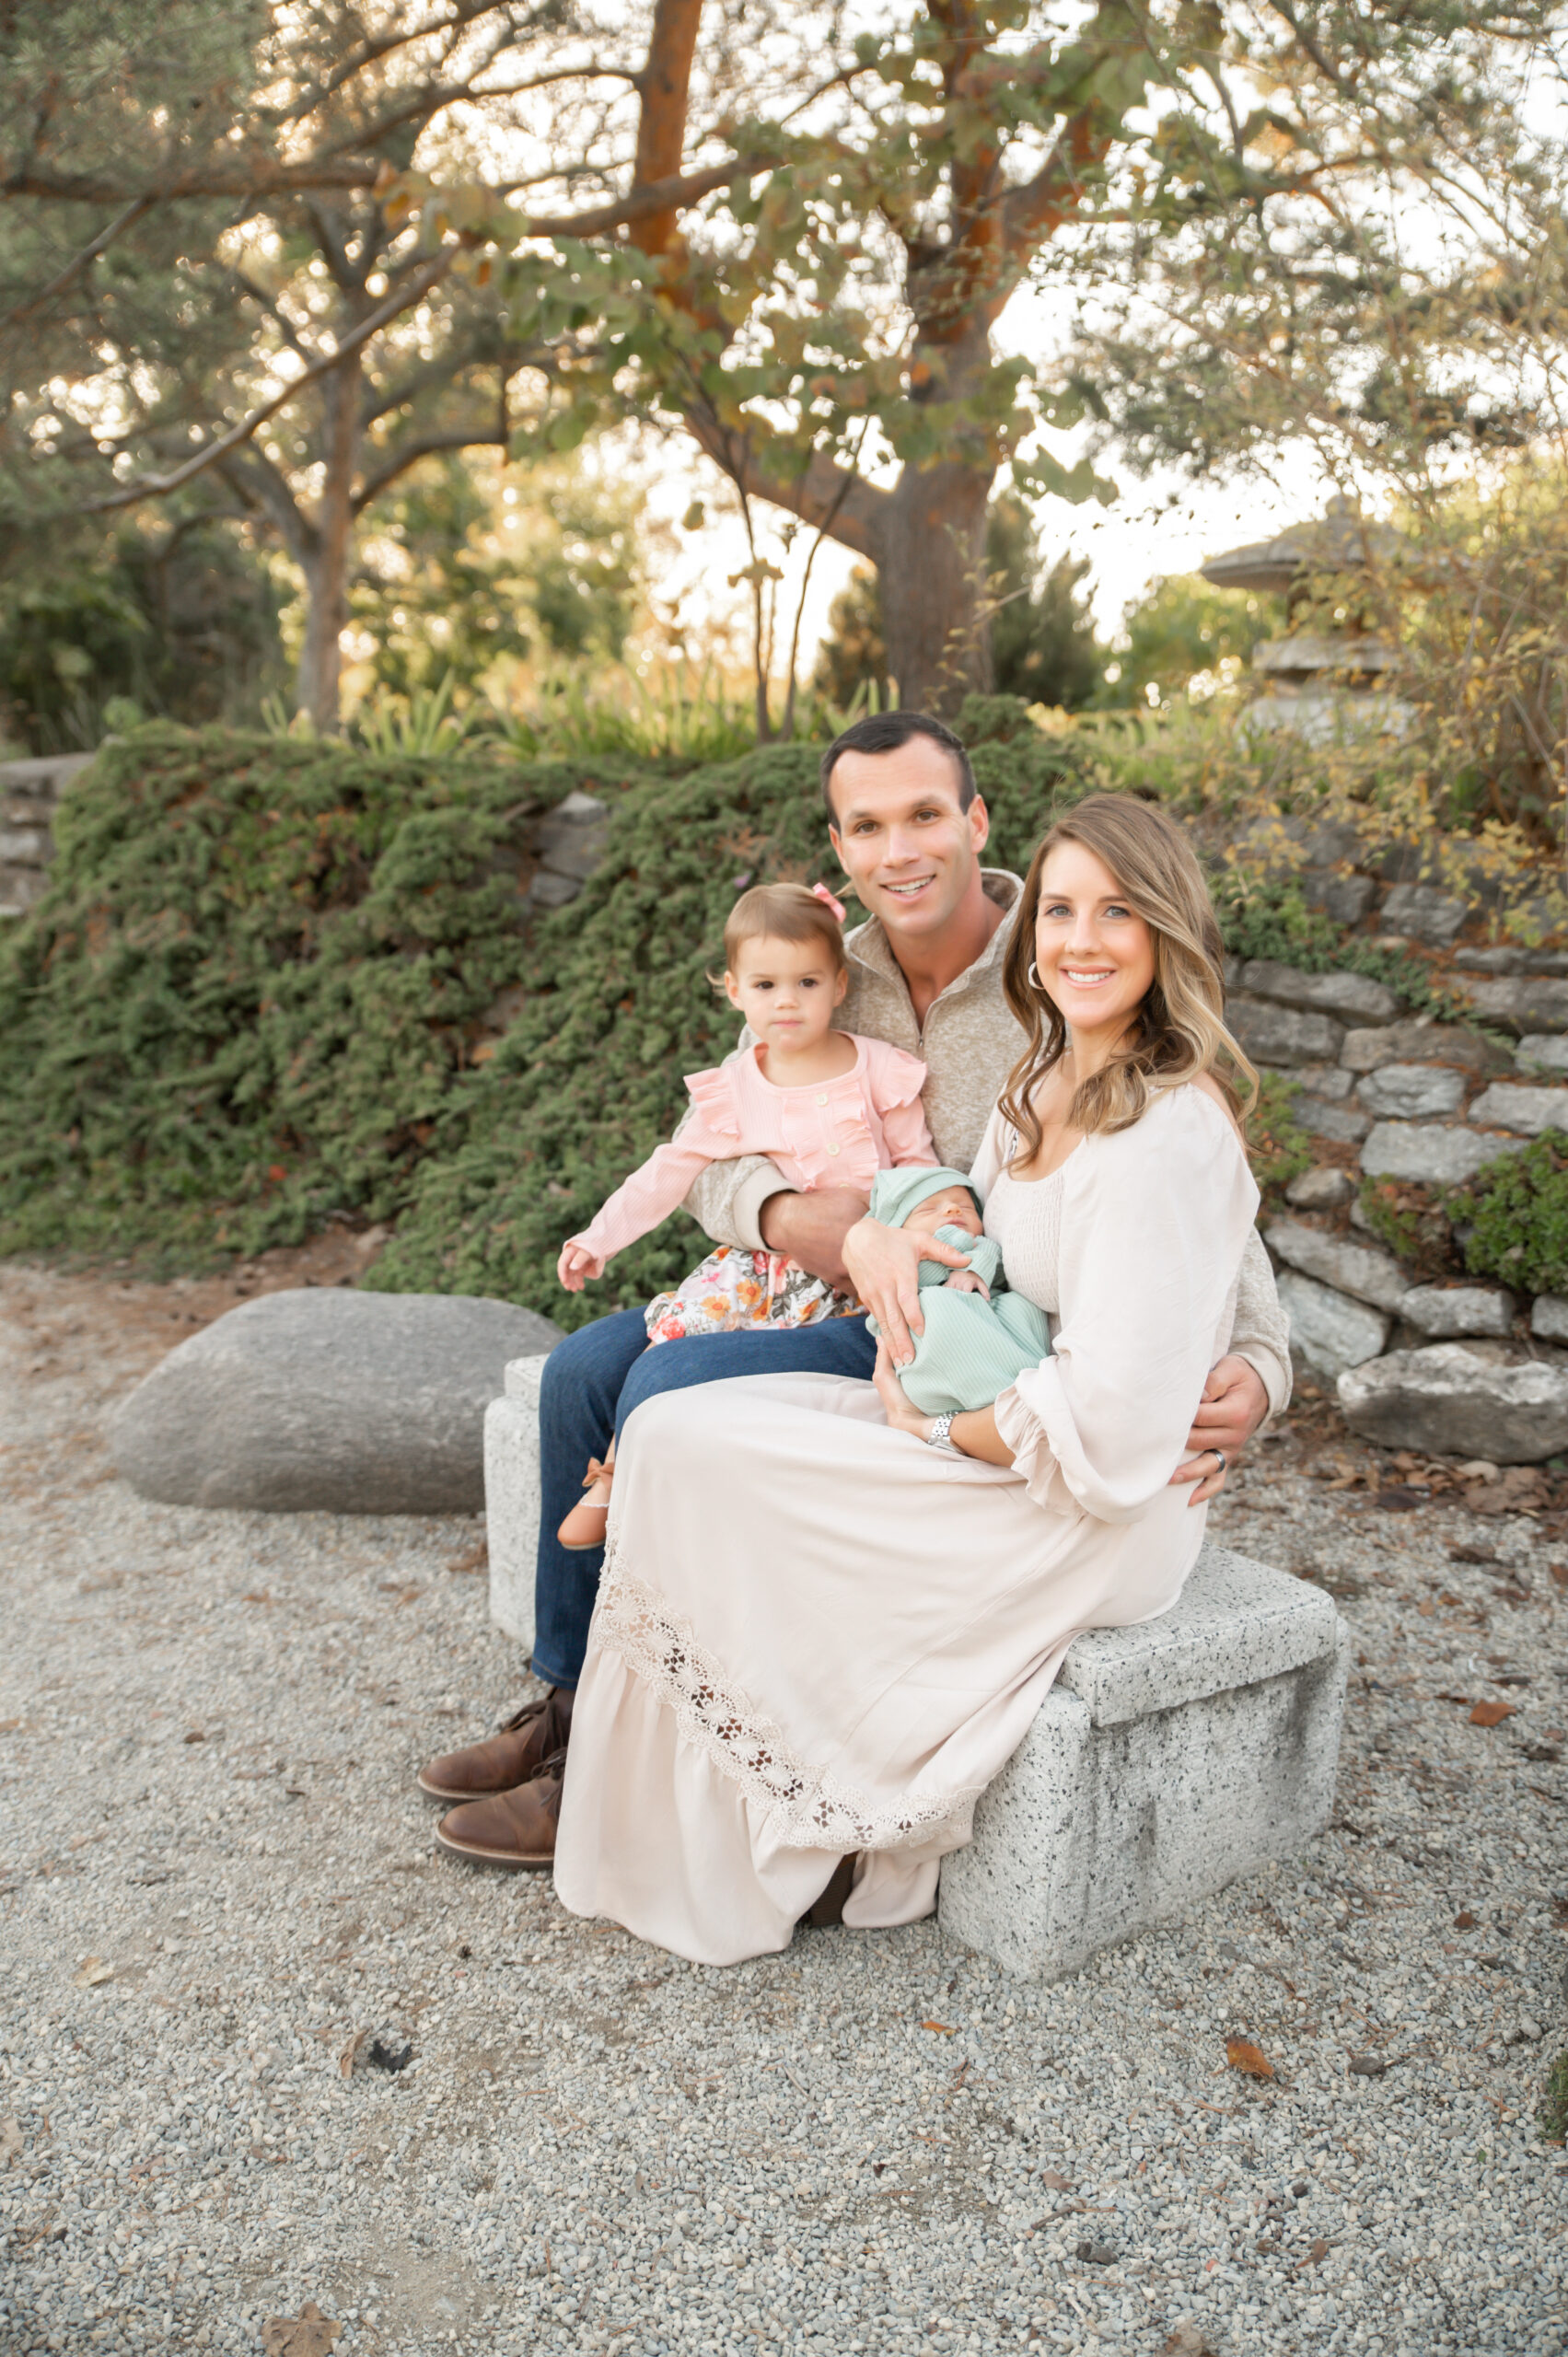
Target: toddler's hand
[966, 1280]
[576, 1264]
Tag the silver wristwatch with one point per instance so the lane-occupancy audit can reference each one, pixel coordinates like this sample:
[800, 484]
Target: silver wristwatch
[940, 1434]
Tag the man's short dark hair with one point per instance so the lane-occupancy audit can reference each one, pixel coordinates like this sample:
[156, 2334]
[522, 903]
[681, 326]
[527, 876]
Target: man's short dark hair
[885, 732]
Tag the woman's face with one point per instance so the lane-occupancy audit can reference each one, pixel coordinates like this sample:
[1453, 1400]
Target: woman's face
[1095, 958]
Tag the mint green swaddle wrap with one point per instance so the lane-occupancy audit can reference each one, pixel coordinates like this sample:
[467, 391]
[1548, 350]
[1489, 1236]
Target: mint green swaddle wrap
[971, 1349]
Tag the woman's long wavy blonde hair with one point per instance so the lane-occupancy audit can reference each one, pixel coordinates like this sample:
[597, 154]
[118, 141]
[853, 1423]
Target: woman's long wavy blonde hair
[1178, 1032]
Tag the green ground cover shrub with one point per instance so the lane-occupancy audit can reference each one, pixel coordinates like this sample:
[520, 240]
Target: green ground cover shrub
[278, 979]
[1279, 1148]
[1511, 1219]
[257, 971]
[1412, 1222]
[1509, 1223]
[1268, 917]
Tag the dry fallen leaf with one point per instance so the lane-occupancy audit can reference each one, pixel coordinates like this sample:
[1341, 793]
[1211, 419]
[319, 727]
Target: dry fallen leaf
[94, 1973]
[943, 2030]
[1320, 2251]
[10, 2141]
[1242, 2055]
[309, 2334]
[1188, 2340]
[1491, 1715]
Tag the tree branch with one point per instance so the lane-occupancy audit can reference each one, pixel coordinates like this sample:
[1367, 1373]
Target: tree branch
[1032, 215]
[261, 177]
[829, 497]
[259, 295]
[645, 203]
[89, 254]
[259, 485]
[156, 486]
[428, 446]
[371, 52]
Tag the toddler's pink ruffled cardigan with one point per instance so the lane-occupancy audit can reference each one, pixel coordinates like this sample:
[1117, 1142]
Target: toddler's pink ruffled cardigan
[839, 1133]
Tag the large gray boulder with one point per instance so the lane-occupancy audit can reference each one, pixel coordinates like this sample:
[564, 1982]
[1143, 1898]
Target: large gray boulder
[328, 1400]
[1352, 998]
[1358, 1268]
[1283, 1035]
[1422, 1044]
[1425, 914]
[1527, 1003]
[1328, 1332]
[1531, 1111]
[1430, 1154]
[1446, 1399]
[1416, 1092]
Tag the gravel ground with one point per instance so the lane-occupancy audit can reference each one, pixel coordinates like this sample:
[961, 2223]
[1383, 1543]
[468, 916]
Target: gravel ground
[220, 1878]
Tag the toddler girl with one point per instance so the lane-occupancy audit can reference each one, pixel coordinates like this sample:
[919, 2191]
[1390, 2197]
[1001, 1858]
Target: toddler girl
[828, 1107]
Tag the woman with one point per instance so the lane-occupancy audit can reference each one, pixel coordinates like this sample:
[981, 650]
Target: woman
[826, 1621]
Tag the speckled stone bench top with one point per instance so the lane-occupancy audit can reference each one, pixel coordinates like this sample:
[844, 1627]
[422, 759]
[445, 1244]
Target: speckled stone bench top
[1236, 1622]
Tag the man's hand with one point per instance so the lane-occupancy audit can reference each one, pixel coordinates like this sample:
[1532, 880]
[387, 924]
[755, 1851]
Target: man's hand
[882, 1264]
[811, 1228]
[1233, 1406]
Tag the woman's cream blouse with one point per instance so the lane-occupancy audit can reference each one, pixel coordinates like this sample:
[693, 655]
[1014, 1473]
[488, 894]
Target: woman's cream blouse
[1135, 1247]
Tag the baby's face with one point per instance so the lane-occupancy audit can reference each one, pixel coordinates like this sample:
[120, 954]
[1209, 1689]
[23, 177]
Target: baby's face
[955, 1207]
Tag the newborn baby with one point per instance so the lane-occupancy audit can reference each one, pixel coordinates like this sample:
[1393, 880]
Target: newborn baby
[973, 1345]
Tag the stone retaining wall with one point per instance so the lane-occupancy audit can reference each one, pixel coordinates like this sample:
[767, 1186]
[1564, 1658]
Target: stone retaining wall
[1471, 1368]
[28, 792]
[565, 847]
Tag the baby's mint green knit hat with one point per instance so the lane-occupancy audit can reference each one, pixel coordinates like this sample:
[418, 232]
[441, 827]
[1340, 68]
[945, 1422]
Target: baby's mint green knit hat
[896, 1193]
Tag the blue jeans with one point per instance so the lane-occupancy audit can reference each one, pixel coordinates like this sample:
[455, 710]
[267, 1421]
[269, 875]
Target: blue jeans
[592, 1382]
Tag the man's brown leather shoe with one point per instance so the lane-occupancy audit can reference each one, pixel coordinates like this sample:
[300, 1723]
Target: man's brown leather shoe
[510, 1828]
[507, 1759]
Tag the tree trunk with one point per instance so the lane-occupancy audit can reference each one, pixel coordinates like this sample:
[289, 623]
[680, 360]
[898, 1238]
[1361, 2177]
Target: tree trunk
[931, 574]
[930, 535]
[326, 561]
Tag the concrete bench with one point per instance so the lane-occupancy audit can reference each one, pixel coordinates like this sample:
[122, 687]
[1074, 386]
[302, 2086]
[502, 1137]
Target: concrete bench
[1166, 1760]
[512, 1497]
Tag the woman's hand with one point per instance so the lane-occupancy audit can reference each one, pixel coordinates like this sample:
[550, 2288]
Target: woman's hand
[883, 1265]
[575, 1265]
[895, 1400]
[1207, 1473]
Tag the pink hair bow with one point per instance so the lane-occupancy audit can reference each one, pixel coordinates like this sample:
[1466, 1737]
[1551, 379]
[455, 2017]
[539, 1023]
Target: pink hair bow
[820, 892]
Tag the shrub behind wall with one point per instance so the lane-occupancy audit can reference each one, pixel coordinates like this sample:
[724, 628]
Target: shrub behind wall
[244, 999]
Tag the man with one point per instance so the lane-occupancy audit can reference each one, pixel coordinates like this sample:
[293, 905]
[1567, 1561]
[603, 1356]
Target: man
[925, 974]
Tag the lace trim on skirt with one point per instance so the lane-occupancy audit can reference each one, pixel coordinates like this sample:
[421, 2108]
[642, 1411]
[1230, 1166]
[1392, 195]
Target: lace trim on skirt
[805, 1806]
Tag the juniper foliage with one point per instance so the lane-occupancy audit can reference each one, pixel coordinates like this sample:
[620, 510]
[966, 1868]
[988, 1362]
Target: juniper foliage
[242, 1003]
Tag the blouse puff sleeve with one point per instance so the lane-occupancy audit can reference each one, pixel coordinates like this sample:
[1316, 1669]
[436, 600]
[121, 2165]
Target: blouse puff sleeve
[894, 1081]
[712, 1132]
[1155, 1220]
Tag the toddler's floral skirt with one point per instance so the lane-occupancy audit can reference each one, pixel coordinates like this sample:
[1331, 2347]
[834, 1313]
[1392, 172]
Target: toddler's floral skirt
[735, 1290]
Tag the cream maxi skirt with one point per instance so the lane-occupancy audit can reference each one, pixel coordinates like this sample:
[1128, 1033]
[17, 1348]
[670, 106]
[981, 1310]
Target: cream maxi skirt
[815, 1636]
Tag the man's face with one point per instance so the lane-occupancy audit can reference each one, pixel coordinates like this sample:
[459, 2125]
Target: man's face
[953, 1207]
[906, 846]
